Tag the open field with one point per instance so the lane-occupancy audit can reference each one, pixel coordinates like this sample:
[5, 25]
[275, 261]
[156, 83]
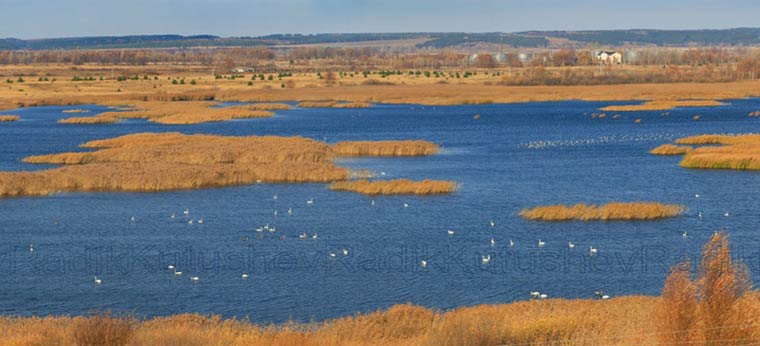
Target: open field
[396, 187]
[606, 212]
[715, 306]
[173, 161]
[64, 85]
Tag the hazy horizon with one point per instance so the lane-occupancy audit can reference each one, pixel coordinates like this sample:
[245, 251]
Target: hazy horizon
[229, 18]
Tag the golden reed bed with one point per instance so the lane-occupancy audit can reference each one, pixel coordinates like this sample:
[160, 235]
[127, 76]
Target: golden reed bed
[385, 148]
[396, 187]
[178, 113]
[710, 309]
[657, 105]
[333, 104]
[606, 212]
[173, 161]
[740, 152]
[670, 149]
[8, 118]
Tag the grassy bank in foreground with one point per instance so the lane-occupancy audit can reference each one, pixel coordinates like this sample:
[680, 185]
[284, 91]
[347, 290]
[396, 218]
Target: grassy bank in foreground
[716, 307]
[606, 212]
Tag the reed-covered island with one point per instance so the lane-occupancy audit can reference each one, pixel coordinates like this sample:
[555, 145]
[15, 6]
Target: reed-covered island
[614, 211]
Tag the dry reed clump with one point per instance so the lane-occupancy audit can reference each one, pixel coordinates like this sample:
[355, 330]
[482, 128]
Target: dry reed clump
[385, 148]
[269, 106]
[657, 105]
[669, 149]
[396, 187]
[9, 118]
[606, 212]
[75, 111]
[103, 329]
[741, 152]
[333, 104]
[174, 113]
[172, 161]
[718, 307]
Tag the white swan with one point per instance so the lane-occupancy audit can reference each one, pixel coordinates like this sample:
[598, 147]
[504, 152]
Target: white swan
[200, 221]
[535, 294]
[486, 259]
[726, 214]
[173, 215]
[97, 280]
[511, 243]
[190, 222]
[492, 223]
[541, 243]
[685, 234]
[406, 205]
[195, 278]
[302, 236]
[423, 264]
[310, 201]
[186, 212]
[132, 219]
[345, 252]
[290, 211]
[244, 276]
[450, 232]
[592, 251]
[314, 236]
[543, 296]
[493, 242]
[570, 245]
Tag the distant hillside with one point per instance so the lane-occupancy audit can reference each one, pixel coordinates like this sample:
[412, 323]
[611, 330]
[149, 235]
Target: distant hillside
[135, 41]
[738, 36]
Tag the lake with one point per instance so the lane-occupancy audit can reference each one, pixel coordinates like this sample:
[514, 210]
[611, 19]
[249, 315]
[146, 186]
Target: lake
[515, 156]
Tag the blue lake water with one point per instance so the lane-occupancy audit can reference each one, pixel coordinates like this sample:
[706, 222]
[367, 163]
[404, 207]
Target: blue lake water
[514, 156]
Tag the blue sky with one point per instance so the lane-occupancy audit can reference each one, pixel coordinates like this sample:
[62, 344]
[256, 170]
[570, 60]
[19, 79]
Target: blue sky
[59, 18]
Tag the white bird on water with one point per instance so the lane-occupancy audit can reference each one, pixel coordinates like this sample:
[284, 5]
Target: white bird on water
[535, 294]
[244, 276]
[97, 280]
[190, 222]
[31, 247]
[592, 251]
[132, 219]
[543, 296]
[275, 213]
[310, 201]
[570, 245]
[493, 242]
[200, 220]
[195, 278]
[699, 215]
[173, 215]
[450, 232]
[170, 267]
[726, 214]
[302, 236]
[685, 234]
[511, 243]
[314, 236]
[290, 211]
[486, 259]
[696, 196]
[492, 223]
[274, 197]
[373, 202]
[345, 252]
[541, 243]
[423, 264]
[406, 205]
[333, 255]
[186, 212]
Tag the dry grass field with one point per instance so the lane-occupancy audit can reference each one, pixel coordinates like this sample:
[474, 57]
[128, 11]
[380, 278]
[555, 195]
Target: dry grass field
[168, 83]
[717, 307]
[606, 212]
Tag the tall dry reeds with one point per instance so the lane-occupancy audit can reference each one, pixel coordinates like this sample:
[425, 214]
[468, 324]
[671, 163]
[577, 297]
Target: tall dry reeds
[396, 187]
[606, 212]
[8, 118]
[385, 148]
[333, 104]
[716, 308]
[269, 106]
[740, 152]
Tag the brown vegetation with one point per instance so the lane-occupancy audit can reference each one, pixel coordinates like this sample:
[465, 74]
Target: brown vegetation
[396, 187]
[740, 152]
[175, 113]
[75, 111]
[385, 148]
[333, 104]
[657, 105]
[606, 212]
[172, 161]
[269, 106]
[8, 118]
[669, 149]
[717, 308]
